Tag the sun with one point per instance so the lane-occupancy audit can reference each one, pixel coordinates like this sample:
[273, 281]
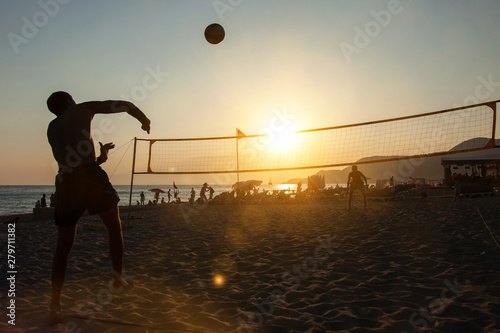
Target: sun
[283, 140]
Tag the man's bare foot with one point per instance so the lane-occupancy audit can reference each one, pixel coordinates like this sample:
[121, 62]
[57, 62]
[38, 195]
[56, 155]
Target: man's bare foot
[117, 284]
[122, 285]
[55, 316]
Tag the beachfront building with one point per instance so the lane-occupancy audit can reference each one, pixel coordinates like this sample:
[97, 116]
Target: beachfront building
[477, 169]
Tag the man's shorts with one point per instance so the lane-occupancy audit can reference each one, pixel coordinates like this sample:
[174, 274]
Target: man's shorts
[358, 186]
[86, 187]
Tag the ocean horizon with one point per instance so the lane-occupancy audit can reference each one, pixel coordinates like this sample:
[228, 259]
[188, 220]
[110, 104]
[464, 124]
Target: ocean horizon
[21, 199]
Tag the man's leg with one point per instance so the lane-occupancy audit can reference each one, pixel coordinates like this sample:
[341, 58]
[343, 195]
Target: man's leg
[350, 198]
[111, 220]
[364, 197]
[65, 240]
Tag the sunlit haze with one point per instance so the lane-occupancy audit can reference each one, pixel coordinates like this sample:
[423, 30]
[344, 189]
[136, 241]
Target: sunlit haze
[321, 63]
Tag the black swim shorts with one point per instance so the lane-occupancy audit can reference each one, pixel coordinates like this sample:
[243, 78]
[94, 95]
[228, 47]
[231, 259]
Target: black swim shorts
[85, 187]
[357, 186]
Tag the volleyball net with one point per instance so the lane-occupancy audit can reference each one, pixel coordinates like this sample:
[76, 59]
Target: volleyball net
[442, 132]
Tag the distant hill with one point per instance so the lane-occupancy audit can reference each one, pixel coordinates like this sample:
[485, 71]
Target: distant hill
[402, 170]
[471, 143]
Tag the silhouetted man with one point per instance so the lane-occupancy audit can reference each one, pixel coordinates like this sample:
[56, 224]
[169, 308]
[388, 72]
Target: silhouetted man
[356, 184]
[81, 183]
[43, 202]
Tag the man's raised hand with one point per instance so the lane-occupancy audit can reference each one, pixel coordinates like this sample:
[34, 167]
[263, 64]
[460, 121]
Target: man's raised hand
[105, 148]
[146, 126]
[104, 151]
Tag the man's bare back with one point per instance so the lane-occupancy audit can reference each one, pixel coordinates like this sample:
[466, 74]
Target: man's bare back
[70, 134]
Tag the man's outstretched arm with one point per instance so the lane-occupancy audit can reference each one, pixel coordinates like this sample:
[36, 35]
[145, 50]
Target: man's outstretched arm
[106, 107]
[134, 111]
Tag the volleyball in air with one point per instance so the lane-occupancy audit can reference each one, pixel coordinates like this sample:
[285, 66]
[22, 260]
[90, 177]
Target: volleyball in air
[214, 33]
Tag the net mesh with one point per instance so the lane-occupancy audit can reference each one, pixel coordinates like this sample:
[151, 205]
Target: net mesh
[193, 156]
[436, 133]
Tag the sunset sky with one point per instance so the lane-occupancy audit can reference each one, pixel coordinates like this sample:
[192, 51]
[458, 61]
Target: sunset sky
[324, 63]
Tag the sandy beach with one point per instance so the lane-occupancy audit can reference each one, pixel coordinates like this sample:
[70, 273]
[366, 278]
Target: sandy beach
[401, 266]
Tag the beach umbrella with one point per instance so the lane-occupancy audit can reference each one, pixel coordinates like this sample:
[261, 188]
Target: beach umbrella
[246, 185]
[157, 190]
[235, 185]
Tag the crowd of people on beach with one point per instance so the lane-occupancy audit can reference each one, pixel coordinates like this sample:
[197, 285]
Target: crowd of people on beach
[206, 194]
[175, 198]
[253, 194]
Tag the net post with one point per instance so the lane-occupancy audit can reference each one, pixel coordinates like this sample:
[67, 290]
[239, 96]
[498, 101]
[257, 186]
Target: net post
[238, 135]
[493, 106]
[131, 182]
[149, 158]
[237, 163]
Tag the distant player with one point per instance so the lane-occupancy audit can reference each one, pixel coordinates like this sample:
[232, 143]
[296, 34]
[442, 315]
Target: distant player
[81, 183]
[355, 182]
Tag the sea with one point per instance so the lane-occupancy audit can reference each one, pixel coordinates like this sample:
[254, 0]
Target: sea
[21, 199]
